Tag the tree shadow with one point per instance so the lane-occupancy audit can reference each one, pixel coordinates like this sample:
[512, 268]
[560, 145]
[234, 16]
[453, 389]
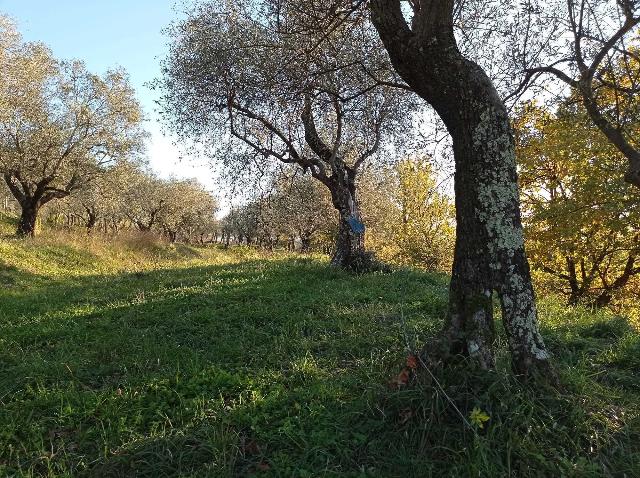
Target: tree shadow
[229, 369]
[108, 345]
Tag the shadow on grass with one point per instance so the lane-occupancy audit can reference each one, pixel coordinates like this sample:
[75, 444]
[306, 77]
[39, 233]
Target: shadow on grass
[278, 368]
[107, 327]
[134, 354]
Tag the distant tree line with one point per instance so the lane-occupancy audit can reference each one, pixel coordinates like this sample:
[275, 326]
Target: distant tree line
[127, 198]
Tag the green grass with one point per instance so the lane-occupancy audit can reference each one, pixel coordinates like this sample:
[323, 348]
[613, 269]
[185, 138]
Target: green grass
[139, 359]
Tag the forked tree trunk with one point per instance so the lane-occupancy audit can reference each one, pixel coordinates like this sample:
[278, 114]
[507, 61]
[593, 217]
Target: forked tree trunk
[350, 251]
[489, 252]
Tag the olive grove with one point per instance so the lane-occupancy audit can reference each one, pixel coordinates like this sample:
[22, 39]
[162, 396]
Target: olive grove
[61, 126]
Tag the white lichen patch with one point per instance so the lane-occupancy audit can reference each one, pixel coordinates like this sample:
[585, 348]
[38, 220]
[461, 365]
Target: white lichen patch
[520, 314]
[496, 208]
[497, 190]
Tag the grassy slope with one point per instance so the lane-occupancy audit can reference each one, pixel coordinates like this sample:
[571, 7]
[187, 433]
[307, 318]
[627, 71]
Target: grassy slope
[151, 361]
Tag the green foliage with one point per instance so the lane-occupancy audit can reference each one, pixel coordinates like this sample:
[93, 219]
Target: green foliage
[296, 208]
[61, 124]
[126, 197]
[136, 358]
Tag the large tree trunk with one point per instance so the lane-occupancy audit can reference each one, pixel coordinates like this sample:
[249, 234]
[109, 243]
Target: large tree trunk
[28, 218]
[350, 251]
[489, 251]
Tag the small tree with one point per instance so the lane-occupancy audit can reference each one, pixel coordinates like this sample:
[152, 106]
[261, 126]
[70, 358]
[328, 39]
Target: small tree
[301, 208]
[102, 198]
[7, 200]
[243, 223]
[413, 223]
[188, 210]
[144, 200]
[59, 124]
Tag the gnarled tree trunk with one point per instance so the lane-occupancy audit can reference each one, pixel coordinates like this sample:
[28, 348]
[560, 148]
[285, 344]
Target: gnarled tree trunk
[489, 251]
[28, 218]
[32, 196]
[350, 249]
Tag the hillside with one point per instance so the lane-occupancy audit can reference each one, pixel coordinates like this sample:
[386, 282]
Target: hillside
[142, 359]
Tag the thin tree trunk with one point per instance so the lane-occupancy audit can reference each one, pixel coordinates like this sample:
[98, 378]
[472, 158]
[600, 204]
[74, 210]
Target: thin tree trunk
[92, 219]
[305, 243]
[489, 251]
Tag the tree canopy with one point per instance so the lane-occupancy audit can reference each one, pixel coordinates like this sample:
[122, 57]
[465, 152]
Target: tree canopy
[238, 80]
[582, 220]
[61, 125]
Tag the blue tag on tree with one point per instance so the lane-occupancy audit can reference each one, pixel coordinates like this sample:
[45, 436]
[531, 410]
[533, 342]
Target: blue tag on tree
[356, 226]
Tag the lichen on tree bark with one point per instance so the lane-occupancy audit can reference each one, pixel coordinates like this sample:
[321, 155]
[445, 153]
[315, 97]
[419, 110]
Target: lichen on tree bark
[489, 254]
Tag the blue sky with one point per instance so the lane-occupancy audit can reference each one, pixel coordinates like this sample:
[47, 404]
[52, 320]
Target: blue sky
[109, 33]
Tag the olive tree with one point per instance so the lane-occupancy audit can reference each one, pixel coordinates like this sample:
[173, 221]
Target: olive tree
[178, 209]
[296, 210]
[233, 75]
[434, 46]
[101, 200]
[144, 199]
[7, 201]
[591, 48]
[189, 210]
[60, 125]
[303, 209]
[242, 223]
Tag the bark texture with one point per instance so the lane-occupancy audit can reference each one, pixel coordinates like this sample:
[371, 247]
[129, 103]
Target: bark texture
[31, 197]
[489, 251]
[28, 218]
[350, 250]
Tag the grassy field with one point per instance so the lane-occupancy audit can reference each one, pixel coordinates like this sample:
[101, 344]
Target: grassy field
[141, 359]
